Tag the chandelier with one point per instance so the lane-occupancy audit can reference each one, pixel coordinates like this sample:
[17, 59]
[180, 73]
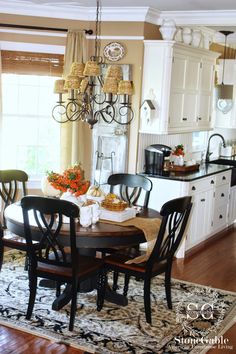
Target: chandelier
[92, 95]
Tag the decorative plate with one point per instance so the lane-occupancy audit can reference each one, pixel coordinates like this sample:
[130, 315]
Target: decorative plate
[114, 51]
[224, 105]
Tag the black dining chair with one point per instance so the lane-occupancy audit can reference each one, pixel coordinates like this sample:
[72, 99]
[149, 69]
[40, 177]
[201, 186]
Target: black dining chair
[130, 188]
[135, 190]
[12, 188]
[175, 214]
[51, 260]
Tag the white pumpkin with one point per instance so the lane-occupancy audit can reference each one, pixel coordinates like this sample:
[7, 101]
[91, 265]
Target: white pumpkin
[95, 191]
[47, 189]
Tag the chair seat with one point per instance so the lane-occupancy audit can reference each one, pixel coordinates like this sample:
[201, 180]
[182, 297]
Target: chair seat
[86, 265]
[118, 261]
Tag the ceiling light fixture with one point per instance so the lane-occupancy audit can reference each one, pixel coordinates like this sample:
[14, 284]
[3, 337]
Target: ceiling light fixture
[224, 91]
[91, 96]
[226, 34]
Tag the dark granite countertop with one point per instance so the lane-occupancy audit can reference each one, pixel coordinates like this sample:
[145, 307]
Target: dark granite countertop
[204, 171]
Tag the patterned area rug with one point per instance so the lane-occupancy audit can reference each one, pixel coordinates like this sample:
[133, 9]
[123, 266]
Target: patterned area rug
[199, 317]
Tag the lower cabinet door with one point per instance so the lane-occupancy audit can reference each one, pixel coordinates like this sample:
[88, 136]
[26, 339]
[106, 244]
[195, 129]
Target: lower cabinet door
[219, 218]
[201, 218]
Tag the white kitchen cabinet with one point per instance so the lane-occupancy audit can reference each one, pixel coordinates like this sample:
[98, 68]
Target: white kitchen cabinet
[232, 205]
[210, 198]
[201, 217]
[221, 201]
[178, 79]
[202, 192]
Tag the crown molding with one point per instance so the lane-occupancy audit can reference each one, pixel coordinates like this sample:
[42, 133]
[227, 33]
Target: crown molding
[153, 16]
[71, 12]
[201, 18]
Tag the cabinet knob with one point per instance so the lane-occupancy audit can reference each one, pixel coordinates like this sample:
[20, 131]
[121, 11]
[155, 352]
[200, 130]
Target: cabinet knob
[212, 182]
[222, 195]
[203, 200]
[220, 217]
[184, 118]
[223, 178]
[193, 188]
[199, 118]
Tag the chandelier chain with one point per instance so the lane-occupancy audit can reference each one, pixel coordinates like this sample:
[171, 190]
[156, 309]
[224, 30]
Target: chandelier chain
[98, 30]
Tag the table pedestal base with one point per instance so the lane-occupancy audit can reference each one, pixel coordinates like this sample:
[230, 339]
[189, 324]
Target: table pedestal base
[110, 296]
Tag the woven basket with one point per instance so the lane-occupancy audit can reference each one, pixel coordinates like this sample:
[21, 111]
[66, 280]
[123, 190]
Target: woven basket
[114, 206]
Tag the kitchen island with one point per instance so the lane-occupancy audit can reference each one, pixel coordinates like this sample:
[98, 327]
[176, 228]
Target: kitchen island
[212, 196]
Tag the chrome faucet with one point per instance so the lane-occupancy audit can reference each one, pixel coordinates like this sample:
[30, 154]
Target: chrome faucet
[208, 153]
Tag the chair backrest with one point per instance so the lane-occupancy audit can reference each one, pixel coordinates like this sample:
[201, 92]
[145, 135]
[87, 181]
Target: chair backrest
[43, 219]
[175, 214]
[11, 183]
[131, 187]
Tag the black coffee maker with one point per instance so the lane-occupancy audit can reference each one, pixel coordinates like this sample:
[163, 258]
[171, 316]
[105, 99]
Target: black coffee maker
[155, 157]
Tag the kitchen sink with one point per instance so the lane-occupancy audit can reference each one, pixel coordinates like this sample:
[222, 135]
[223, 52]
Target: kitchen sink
[227, 162]
[224, 162]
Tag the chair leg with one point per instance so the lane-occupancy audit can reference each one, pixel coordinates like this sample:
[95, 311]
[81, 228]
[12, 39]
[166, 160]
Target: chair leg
[115, 281]
[58, 289]
[73, 305]
[101, 288]
[33, 289]
[147, 300]
[26, 267]
[126, 285]
[1, 252]
[168, 286]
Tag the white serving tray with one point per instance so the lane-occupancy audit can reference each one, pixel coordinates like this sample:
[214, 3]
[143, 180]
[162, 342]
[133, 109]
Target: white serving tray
[117, 216]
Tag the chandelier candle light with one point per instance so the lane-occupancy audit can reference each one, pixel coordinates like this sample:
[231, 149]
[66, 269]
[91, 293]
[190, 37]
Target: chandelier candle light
[90, 95]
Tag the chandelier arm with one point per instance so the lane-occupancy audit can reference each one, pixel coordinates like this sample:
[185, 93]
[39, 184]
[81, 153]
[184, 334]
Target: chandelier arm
[94, 98]
[105, 112]
[125, 111]
[57, 116]
[71, 108]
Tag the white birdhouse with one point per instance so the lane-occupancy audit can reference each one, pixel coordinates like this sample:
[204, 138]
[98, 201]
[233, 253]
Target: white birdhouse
[147, 111]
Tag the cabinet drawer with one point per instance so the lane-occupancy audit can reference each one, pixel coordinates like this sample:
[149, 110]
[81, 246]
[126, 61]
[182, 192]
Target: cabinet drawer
[201, 185]
[223, 178]
[222, 195]
[220, 217]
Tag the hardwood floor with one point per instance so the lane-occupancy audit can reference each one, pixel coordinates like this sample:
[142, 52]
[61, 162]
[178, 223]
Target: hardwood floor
[214, 266]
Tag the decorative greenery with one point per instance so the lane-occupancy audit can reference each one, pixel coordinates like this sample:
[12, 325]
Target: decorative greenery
[71, 180]
[179, 150]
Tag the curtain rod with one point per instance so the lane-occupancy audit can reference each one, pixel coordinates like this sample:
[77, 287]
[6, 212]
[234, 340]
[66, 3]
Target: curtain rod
[89, 31]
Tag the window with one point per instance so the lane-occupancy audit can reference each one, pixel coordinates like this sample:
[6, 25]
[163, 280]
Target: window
[199, 140]
[30, 137]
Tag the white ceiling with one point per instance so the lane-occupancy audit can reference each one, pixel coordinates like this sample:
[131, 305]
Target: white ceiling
[161, 5]
[215, 14]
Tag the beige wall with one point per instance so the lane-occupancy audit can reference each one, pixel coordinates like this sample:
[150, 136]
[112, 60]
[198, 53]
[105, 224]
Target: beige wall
[134, 56]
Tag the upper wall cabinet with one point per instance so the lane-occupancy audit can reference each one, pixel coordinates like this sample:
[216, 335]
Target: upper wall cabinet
[178, 79]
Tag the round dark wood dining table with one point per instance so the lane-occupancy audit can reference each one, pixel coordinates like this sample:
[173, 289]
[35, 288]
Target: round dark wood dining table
[100, 235]
[88, 239]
